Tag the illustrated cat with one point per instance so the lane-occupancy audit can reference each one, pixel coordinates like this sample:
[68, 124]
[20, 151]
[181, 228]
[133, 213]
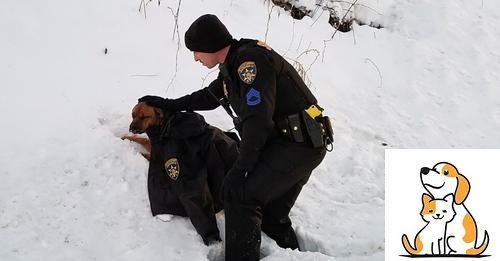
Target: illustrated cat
[430, 240]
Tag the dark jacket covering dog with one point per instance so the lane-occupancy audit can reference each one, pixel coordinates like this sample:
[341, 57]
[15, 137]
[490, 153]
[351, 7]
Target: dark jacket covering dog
[189, 159]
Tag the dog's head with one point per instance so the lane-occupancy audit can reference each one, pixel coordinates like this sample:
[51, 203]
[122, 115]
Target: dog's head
[443, 179]
[144, 117]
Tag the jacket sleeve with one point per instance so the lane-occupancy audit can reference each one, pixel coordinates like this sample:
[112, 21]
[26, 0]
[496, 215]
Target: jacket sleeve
[256, 80]
[201, 100]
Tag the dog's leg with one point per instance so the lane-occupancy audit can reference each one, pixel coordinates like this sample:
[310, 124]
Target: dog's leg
[146, 155]
[141, 140]
[144, 142]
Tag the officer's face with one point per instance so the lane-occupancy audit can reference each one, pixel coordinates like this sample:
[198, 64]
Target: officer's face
[208, 60]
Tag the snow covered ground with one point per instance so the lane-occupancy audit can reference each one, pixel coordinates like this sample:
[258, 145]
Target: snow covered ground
[72, 189]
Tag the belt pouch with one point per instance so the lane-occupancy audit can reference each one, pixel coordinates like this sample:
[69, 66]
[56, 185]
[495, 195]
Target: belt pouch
[283, 128]
[294, 122]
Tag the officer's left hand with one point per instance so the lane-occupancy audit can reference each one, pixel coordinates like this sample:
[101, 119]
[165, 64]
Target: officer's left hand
[158, 102]
[232, 185]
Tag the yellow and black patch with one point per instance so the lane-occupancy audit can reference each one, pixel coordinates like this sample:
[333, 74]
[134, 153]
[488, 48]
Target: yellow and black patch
[247, 72]
[172, 168]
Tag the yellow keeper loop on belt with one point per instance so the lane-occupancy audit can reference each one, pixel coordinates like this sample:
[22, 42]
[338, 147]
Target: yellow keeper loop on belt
[313, 111]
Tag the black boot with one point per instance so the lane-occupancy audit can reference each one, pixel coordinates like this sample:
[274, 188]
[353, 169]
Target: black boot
[287, 239]
[243, 234]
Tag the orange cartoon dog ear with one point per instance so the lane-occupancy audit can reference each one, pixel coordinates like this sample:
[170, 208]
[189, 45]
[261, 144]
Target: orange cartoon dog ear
[463, 188]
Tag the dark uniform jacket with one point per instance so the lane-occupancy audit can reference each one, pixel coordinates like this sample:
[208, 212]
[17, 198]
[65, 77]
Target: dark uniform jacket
[189, 159]
[262, 88]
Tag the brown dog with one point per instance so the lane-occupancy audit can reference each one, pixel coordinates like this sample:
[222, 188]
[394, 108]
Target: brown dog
[143, 117]
[188, 160]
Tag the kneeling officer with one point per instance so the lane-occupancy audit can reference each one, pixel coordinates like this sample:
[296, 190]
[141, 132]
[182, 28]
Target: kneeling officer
[283, 134]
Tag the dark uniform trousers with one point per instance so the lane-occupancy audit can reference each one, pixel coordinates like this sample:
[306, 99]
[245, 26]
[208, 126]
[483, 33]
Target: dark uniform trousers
[265, 200]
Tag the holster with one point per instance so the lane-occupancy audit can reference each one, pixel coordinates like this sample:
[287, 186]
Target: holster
[314, 130]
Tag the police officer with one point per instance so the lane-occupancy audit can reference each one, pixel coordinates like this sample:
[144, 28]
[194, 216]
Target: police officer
[281, 139]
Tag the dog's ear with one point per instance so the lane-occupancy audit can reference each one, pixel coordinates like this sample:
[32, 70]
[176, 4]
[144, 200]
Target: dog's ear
[462, 190]
[158, 112]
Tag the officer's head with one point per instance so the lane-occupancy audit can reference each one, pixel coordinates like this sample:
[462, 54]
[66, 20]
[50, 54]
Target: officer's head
[209, 40]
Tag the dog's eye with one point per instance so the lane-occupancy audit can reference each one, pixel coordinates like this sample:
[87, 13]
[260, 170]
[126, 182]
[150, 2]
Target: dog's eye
[446, 172]
[444, 211]
[430, 210]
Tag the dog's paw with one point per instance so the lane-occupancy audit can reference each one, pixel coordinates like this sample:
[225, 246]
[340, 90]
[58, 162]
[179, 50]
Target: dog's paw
[128, 136]
[164, 217]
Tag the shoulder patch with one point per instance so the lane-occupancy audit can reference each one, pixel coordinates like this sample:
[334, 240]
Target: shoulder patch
[253, 97]
[172, 168]
[247, 72]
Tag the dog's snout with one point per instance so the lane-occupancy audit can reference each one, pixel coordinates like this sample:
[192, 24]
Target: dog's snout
[425, 170]
[438, 214]
[134, 128]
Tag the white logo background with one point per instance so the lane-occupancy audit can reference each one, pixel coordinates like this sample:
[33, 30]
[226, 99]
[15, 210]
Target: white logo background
[403, 194]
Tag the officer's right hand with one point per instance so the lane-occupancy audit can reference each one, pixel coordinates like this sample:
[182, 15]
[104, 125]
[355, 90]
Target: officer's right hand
[157, 101]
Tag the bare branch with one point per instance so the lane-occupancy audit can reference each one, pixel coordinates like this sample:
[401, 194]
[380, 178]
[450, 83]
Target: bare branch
[336, 30]
[176, 18]
[319, 16]
[301, 70]
[363, 5]
[343, 18]
[176, 32]
[142, 5]
[205, 78]
[376, 67]
[353, 36]
[293, 37]
[300, 42]
[268, 20]
[315, 58]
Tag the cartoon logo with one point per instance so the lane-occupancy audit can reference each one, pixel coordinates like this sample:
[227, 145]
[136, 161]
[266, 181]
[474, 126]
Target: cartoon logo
[451, 229]
[172, 168]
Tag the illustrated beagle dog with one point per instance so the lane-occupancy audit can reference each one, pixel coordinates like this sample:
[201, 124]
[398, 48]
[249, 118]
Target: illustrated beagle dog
[461, 233]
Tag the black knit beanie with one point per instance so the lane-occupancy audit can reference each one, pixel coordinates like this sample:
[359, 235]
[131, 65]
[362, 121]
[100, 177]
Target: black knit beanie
[207, 34]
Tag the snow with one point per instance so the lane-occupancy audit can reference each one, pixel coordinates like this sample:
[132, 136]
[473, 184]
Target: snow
[71, 188]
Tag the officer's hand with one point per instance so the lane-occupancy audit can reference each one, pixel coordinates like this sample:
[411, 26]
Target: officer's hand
[157, 101]
[232, 185]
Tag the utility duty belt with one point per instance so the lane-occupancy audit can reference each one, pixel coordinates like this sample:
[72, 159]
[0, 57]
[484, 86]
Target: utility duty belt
[308, 125]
